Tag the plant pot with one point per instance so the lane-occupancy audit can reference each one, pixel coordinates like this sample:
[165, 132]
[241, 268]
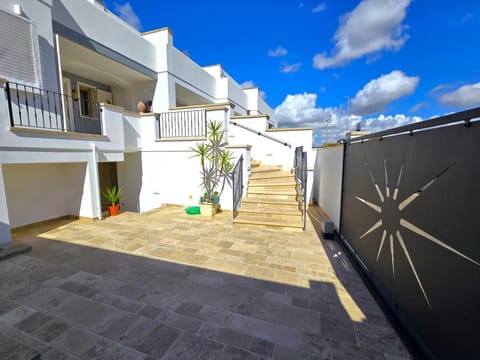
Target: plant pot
[113, 209]
[208, 209]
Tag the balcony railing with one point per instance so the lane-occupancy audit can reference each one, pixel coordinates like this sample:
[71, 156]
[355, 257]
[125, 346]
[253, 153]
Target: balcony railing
[181, 124]
[33, 107]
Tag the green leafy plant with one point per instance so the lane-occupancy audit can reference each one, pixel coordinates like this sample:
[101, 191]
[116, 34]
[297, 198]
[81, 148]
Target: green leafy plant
[216, 162]
[113, 195]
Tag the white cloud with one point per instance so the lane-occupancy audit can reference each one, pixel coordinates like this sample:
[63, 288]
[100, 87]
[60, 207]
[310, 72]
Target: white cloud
[250, 84]
[380, 92]
[319, 8]
[464, 96]
[290, 68]
[372, 26]
[300, 110]
[126, 13]
[279, 51]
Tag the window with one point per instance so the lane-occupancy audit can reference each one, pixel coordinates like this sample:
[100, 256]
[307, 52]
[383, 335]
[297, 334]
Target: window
[87, 100]
[19, 54]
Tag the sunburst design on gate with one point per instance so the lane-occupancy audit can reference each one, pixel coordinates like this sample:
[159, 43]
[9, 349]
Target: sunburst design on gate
[391, 220]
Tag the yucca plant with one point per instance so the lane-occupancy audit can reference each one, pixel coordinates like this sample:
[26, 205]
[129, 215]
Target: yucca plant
[113, 195]
[215, 161]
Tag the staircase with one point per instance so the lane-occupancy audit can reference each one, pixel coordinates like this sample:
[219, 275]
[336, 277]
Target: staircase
[273, 199]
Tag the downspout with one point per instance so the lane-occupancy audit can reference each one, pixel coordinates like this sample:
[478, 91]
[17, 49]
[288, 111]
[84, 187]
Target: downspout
[60, 83]
[95, 182]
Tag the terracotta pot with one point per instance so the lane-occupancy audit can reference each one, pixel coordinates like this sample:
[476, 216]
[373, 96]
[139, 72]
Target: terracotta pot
[113, 209]
[141, 107]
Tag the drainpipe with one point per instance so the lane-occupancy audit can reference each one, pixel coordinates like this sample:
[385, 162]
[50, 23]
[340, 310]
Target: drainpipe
[60, 83]
[95, 183]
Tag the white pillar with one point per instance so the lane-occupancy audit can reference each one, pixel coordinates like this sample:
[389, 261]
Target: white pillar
[95, 184]
[5, 234]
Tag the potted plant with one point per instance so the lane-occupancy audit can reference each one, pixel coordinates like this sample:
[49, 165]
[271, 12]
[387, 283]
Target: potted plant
[215, 167]
[113, 195]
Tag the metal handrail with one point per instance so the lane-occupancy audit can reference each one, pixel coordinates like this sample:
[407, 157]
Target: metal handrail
[237, 185]
[261, 134]
[465, 116]
[300, 166]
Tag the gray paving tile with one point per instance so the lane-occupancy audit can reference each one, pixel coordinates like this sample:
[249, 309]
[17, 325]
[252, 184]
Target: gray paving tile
[317, 346]
[194, 347]
[341, 350]
[338, 329]
[78, 289]
[277, 298]
[179, 321]
[287, 353]
[23, 338]
[189, 308]
[13, 350]
[85, 313]
[157, 342]
[223, 318]
[17, 315]
[226, 336]
[114, 327]
[33, 322]
[279, 334]
[262, 347]
[299, 318]
[150, 311]
[120, 302]
[46, 299]
[108, 350]
[76, 342]
[54, 354]
[51, 330]
[133, 276]
[379, 338]
[137, 332]
[7, 306]
[231, 353]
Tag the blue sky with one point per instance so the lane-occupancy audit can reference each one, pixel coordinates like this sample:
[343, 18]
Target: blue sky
[399, 61]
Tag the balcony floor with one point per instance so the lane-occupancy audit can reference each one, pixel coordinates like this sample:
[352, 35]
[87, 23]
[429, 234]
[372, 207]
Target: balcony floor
[166, 285]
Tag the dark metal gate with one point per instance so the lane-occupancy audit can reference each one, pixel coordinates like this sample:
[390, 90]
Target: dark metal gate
[410, 215]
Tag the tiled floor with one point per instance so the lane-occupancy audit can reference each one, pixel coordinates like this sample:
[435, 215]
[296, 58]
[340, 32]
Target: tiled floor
[166, 285]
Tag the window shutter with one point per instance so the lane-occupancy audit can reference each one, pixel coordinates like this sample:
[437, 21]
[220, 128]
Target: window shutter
[18, 50]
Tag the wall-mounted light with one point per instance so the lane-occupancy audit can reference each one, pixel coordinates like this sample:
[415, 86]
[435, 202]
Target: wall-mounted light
[17, 9]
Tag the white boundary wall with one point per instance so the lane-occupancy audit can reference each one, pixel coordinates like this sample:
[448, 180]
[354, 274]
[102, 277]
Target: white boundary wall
[327, 184]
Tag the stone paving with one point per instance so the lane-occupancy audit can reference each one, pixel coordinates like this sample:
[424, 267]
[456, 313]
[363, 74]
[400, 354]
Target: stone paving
[166, 285]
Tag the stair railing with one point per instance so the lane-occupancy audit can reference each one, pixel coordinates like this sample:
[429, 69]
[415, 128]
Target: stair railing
[259, 133]
[237, 185]
[300, 166]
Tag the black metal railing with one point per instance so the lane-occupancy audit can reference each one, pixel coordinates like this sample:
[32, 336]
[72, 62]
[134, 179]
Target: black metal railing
[259, 133]
[181, 124]
[300, 166]
[237, 185]
[33, 107]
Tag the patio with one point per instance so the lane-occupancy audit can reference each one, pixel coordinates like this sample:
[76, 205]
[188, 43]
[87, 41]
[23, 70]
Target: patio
[166, 285]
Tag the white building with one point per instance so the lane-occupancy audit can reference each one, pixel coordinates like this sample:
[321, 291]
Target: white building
[73, 74]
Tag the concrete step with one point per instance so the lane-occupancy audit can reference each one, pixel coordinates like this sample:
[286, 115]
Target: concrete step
[272, 175]
[280, 187]
[266, 169]
[247, 219]
[255, 163]
[270, 203]
[272, 212]
[280, 195]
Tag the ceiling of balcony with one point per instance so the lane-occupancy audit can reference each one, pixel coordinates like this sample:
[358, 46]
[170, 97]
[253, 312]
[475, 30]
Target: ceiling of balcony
[86, 63]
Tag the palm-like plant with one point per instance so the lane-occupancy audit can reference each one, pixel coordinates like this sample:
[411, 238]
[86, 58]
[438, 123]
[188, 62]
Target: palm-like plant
[216, 162]
[112, 195]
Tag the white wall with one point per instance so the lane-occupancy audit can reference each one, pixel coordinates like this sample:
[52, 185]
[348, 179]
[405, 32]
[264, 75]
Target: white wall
[37, 192]
[99, 25]
[327, 189]
[130, 175]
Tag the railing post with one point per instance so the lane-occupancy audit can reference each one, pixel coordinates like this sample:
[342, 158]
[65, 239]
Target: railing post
[9, 98]
[304, 185]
